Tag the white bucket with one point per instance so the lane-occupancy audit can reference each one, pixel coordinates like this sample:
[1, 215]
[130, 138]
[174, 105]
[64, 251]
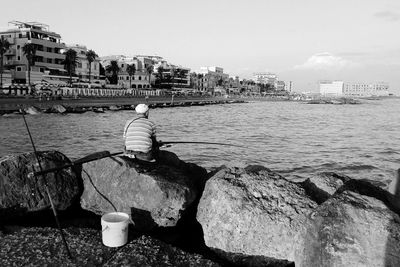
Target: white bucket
[115, 229]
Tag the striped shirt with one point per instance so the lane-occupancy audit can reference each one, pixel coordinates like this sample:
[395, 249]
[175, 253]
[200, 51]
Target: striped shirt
[138, 133]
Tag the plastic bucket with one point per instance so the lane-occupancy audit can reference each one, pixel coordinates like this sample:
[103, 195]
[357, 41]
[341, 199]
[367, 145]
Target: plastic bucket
[115, 229]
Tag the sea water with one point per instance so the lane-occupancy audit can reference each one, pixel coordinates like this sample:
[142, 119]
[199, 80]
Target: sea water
[295, 139]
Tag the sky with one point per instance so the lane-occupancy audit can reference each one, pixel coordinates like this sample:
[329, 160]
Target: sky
[302, 41]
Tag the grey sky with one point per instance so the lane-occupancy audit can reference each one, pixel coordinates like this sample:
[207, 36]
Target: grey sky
[301, 41]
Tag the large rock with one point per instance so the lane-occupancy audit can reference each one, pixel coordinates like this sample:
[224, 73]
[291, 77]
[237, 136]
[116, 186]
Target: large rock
[57, 108]
[21, 192]
[254, 211]
[323, 185]
[156, 194]
[352, 229]
[32, 110]
[43, 247]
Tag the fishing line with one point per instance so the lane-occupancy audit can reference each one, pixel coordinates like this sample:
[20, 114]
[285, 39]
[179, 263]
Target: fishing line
[101, 194]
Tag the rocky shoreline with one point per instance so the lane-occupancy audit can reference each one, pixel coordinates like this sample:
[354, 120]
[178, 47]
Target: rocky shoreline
[186, 216]
[34, 106]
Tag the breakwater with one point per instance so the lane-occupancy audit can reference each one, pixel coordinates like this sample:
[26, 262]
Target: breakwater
[232, 216]
[12, 105]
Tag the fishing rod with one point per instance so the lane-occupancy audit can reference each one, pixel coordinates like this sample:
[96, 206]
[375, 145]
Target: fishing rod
[89, 158]
[106, 154]
[161, 143]
[48, 192]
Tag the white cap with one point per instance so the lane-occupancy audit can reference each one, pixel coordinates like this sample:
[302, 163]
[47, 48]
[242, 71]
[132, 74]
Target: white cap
[141, 108]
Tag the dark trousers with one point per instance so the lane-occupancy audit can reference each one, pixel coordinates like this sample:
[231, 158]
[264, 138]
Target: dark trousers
[149, 156]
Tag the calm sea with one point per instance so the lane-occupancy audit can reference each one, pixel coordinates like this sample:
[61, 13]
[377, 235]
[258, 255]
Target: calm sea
[295, 139]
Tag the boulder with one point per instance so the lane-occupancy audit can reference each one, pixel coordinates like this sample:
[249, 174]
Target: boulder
[114, 108]
[32, 110]
[352, 229]
[57, 108]
[323, 185]
[78, 110]
[98, 110]
[254, 211]
[155, 194]
[21, 192]
[43, 247]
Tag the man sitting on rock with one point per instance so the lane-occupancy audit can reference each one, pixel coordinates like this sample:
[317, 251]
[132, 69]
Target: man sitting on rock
[140, 136]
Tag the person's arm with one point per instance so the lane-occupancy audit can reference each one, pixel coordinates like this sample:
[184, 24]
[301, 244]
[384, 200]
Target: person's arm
[153, 136]
[125, 129]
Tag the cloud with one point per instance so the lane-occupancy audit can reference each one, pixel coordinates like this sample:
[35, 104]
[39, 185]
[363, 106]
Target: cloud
[325, 61]
[388, 15]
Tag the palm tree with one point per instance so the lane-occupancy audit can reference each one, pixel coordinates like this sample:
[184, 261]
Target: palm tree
[150, 70]
[4, 46]
[160, 75]
[29, 50]
[131, 69]
[70, 62]
[91, 56]
[114, 69]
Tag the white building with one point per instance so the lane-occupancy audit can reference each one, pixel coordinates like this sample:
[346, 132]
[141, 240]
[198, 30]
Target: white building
[140, 80]
[266, 78]
[353, 89]
[48, 61]
[331, 88]
[82, 67]
[212, 77]
[366, 89]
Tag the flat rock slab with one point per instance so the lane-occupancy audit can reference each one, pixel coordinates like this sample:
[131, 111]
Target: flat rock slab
[155, 194]
[254, 211]
[22, 192]
[43, 247]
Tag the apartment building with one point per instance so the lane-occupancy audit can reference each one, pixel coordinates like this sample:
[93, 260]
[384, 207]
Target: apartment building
[49, 51]
[212, 77]
[172, 76]
[331, 88]
[140, 80]
[366, 89]
[266, 78]
[353, 89]
[82, 67]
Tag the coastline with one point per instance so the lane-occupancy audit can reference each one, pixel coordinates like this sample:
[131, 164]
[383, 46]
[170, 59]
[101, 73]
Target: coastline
[11, 105]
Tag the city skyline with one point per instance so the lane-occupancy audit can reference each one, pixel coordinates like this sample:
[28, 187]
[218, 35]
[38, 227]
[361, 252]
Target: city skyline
[300, 42]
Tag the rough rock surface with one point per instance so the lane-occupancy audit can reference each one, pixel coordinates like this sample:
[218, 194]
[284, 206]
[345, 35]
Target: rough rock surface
[351, 229]
[156, 194]
[21, 192]
[43, 247]
[58, 109]
[32, 110]
[323, 185]
[254, 211]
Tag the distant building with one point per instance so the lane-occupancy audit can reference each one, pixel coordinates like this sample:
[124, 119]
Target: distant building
[266, 78]
[211, 77]
[172, 76]
[280, 85]
[331, 88]
[366, 89]
[49, 52]
[140, 80]
[82, 67]
[358, 89]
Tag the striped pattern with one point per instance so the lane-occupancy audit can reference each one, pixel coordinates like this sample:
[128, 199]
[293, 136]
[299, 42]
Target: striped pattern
[138, 133]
